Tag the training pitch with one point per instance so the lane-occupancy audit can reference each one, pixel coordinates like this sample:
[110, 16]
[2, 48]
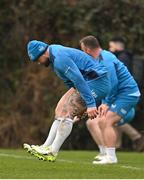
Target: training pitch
[69, 165]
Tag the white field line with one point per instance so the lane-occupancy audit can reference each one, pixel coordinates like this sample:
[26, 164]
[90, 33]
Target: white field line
[132, 167]
[63, 160]
[14, 156]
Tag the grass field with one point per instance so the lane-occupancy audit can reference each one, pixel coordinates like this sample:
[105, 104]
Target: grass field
[69, 165]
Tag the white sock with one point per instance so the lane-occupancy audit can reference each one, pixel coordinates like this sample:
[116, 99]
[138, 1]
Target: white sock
[102, 149]
[63, 131]
[52, 133]
[111, 153]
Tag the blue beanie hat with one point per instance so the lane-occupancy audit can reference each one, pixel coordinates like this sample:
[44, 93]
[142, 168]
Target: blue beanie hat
[36, 49]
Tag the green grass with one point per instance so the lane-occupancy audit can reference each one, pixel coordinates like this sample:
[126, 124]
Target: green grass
[70, 164]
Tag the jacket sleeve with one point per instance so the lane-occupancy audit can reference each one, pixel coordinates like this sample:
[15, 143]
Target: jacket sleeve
[66, 67]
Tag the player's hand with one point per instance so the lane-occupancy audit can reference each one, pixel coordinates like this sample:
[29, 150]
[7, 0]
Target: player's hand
[92, 112]
[102, 110]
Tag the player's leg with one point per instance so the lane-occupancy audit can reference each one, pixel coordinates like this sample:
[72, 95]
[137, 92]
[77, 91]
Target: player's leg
[55, 123]
[94, 127]
[110, 137]
[72, 106]
[96, 133]
[110, 134]
[54, 127]
[116, 112]
[119, 138]
[58, 115]
[127, 118]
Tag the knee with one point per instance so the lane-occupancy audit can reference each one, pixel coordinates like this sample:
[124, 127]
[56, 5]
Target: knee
[88, 123]
[105, 123]
[62, 111]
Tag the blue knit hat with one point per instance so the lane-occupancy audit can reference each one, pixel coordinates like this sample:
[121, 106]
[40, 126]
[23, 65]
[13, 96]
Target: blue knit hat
[36, 49]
